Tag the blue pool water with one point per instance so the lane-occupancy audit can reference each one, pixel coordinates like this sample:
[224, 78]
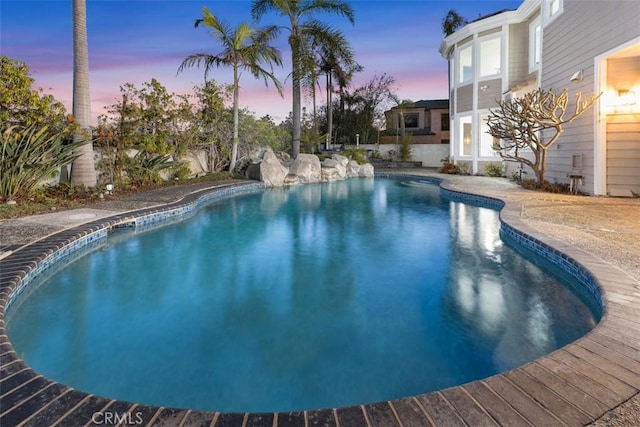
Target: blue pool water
[298, 298]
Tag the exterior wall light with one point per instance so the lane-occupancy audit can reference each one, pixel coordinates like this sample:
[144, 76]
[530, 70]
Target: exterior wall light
[577, 76]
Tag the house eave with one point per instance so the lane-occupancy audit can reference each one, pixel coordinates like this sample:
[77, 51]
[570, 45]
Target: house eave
[521, 14]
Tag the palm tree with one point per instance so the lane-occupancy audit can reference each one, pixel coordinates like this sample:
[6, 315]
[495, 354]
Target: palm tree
[243, 49]
[83, 170]
[303, 29]
[451, 22]
[332, 56]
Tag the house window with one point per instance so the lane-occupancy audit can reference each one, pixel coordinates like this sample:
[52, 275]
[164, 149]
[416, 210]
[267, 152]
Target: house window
[410, 120]
[466, 132]
[535, 44]
[444, 121]
[488, 143]
[551, 9]
[490, 57]
[465, 64]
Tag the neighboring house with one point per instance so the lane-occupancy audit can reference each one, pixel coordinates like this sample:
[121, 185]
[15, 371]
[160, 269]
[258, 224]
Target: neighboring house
[427, 121]
[584, 46]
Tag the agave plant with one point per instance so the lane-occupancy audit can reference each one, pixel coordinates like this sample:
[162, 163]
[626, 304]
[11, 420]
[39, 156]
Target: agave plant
[144, 168]
[30, 155]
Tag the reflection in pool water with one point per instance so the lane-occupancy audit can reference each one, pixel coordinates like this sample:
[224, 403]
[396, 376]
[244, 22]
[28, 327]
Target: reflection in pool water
[298, 298]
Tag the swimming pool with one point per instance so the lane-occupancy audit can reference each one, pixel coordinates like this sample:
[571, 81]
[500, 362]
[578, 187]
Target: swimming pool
[311, 309]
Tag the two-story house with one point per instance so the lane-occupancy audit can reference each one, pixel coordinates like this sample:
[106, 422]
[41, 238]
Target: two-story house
[584, 46]
[427, 121]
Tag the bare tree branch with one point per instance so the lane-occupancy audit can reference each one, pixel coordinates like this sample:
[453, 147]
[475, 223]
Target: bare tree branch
[519, 124]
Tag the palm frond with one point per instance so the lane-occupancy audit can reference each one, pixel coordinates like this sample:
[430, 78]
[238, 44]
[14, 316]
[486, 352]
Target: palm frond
[209, 61]
[337, 7]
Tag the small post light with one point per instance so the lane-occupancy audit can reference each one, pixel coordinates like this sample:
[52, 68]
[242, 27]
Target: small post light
[109, 188]
[357, 139]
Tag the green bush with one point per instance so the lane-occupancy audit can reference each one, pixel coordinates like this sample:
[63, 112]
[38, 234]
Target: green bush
[357, 154]
[181, 171]
[30, 155]
[144, 168]
[449, 167]
[405, 148]
[493, 169]
[548, 187]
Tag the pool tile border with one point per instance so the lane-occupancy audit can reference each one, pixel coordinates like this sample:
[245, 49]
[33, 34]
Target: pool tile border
[571, 386]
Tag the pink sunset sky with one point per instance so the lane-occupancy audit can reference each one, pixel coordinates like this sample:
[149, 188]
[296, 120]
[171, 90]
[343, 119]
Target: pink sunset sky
[133, 41]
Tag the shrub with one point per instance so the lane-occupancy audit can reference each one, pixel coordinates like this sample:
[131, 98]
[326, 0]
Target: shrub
[357, 154]
[181, 171]
[548, 187]
[493, 169]
[30, 155]
[144, 168]
[453, 168]
[405, 148]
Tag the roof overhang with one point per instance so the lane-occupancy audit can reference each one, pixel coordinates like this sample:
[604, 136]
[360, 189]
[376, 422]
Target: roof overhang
[521, 14]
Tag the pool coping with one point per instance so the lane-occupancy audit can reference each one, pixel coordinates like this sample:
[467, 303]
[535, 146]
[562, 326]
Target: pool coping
[573, 385]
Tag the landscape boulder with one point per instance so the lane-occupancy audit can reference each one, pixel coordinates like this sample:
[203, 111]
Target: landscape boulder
[333, 170]
[366, 171]
[269, 170]
[307, 168]
[353, 169]
[344, 161]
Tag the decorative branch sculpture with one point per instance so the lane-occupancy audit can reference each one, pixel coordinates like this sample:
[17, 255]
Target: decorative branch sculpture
[519, 124]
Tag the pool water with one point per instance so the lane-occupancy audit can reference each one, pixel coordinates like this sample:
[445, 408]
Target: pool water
[297, 298]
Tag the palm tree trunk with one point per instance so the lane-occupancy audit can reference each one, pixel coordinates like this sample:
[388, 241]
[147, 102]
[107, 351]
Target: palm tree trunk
[297, 107]
[329, 108]
[83, 170]
[234, 144]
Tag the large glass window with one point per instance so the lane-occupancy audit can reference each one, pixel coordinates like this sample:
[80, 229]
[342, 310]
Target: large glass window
[465, 64]
[490, 57]
[487, 142]
[554, 6]
[535, 44]
[411, 120]
[551, 9]
[466, 133]
[444, 121]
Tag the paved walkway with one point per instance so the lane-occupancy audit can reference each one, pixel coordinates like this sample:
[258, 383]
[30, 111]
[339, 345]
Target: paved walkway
[595, 380]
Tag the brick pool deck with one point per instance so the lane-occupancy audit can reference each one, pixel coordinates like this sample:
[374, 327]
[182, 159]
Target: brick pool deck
[595, 379]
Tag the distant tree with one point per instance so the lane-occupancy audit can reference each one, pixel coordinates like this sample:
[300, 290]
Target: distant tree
[212, 123]
[333, 57]
[83, 170]
[401, 107]
[528, 125]
[23, 105]
[303, 28]
[243, 48]
[261, 132]
[148, 119]
[367, 103]
[451, 22]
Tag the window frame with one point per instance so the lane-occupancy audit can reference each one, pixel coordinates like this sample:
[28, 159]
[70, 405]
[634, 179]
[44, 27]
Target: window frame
[482, 118]
[459, 68]
[480, 42]
[462, 120]
[535, 27]
[547, 10]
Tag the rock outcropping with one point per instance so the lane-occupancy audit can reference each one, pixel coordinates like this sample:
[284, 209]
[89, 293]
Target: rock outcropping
[305, 169]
